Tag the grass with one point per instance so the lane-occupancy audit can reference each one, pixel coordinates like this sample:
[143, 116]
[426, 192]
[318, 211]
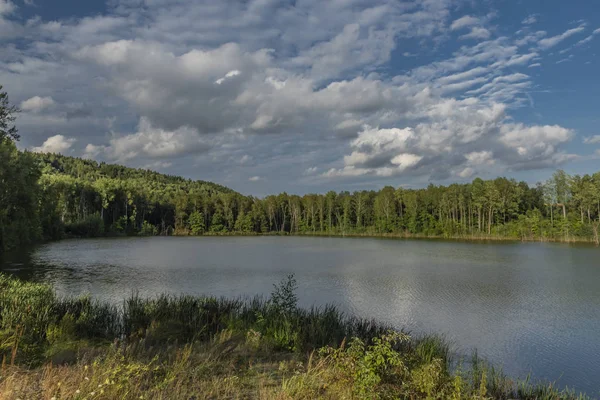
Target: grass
[475, 237]
[202, 347]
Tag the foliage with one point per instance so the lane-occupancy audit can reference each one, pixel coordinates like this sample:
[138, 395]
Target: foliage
[45, 196]
[8, 131]
[19, 197]
[90, 226]
[148, 229]
[283, 296]
[564, 208]
[196, 221]
[365, 367]
[202, 347]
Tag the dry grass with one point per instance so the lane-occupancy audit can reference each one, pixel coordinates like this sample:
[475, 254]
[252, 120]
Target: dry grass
[229, 367]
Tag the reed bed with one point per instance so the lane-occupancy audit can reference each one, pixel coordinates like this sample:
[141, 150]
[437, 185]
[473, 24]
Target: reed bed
[204, 347]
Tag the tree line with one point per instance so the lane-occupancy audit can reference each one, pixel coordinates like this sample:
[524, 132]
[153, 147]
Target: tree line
[50, 196]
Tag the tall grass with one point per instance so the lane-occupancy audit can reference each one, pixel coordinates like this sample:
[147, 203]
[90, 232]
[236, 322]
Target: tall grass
[340, 356]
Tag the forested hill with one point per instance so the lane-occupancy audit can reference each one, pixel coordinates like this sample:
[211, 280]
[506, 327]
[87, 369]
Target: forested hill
[91, 171]
[49, 196]
[54, 196]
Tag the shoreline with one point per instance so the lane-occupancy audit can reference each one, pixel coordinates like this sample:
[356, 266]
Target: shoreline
[457, 238]
[197, 346]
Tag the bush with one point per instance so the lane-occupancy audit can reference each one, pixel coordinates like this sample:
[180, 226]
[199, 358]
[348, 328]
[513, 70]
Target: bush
[148, 229]
[91, 226]
[378, 362]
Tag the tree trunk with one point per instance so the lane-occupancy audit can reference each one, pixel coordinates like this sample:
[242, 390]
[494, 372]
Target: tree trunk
[589, 216]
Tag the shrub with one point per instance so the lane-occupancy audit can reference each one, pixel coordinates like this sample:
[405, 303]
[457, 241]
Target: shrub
[91, 226]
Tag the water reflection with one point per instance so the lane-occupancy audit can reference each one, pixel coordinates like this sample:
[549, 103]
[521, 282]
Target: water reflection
[527, 306]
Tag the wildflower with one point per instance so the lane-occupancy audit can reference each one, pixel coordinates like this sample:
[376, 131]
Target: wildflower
[93, 394]
[86, 378]
[77, 391]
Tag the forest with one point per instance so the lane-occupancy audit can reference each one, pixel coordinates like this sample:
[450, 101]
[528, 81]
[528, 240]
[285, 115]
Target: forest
[51, 196]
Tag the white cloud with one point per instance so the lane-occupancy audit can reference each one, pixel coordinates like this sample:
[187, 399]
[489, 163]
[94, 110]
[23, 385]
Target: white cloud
[466, 75]
[245, 159]
[536, 146]
[534, 65]
[530, 38]
[464, 22]
[55, 144]
[230, 74]
[564, 60]
[554, 40]
[532, 19]
[310, 170]
[477, 33]
[480, 157]
[152, 142]
[462, 138]
[92, 151]
[277, 88]
[521, 59]
[6, 7]
[592, 139]
[589, 38]
[255, 178]
[37, 103]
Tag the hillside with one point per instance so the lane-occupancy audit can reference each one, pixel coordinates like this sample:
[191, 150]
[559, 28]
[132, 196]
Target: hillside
[91, 171]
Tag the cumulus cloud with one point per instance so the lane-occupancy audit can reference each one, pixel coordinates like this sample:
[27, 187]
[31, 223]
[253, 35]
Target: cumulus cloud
[554, 40]
[37, 103]
[197, 88]
[301, 92]
[151, 142]
[55, 144]
[310, 170]
[463, 138]
[6, 7]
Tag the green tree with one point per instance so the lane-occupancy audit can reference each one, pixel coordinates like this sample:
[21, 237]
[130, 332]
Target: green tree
[196, 223]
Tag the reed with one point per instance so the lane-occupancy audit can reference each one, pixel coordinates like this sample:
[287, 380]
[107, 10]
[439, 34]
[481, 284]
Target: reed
[206, 347]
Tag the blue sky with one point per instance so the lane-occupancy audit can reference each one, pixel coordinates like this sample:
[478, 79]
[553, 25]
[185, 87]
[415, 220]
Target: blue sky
[300, 96]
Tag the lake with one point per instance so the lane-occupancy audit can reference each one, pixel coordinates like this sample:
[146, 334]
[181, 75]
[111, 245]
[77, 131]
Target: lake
[530, 307]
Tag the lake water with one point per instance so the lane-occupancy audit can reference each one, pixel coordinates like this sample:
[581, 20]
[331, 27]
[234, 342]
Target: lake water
[530, 307]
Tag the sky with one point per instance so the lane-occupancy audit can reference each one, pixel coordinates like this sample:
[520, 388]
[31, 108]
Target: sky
[304, 96]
